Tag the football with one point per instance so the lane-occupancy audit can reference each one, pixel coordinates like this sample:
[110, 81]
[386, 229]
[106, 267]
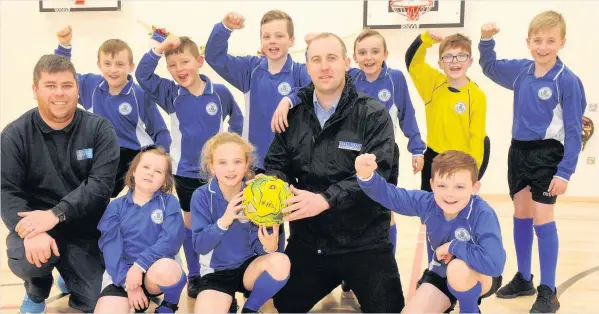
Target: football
[265, 200]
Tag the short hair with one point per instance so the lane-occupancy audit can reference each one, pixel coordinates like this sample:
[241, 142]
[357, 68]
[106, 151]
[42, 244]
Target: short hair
[223, 138]
[169, 182]
[545, 20]
[367, 32]
[328, 35]
[275, 15]
[186, 44]
[114, 46]
[455, 41]
[452, 161]
[53, 64]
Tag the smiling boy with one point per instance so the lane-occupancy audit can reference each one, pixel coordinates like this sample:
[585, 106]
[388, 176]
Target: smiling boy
[461, 228]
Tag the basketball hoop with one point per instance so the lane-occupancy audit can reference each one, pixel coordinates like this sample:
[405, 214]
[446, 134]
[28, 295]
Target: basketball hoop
[63, 8]
[412, 10]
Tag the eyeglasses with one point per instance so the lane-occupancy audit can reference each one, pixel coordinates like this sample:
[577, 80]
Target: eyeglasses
[148, 147]
[463, 57]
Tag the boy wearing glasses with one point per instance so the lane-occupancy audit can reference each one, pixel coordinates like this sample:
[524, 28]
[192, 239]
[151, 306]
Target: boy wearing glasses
[455, 106]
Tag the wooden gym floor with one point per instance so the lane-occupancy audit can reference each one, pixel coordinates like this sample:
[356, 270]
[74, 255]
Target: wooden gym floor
[577, 275]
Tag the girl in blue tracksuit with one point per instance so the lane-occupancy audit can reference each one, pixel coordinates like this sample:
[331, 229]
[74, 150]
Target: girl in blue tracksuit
[461, 228]
[198, 108]
[141, 234]
[236, 255]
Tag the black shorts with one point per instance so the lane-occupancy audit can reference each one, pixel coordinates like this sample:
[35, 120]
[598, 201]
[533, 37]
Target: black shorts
[534, 163]
[227, 281]
[441, 284]
[116, 291]
[185, 187]
[429, 155]
[126, 157]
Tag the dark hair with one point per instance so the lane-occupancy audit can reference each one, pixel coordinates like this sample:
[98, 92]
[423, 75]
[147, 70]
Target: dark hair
[52, 64]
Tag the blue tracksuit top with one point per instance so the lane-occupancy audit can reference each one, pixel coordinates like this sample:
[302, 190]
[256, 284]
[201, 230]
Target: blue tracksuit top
[194, 119]
[135, 117]
[140, 234]
[263, 91]
[474, 235]
[548, 107]
[391, 89]
[222, 249]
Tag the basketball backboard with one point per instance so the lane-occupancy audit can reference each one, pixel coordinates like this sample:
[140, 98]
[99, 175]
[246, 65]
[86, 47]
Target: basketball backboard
[77, 6]
[447, 13]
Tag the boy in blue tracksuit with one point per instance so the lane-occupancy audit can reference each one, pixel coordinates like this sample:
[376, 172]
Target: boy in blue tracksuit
[264, 80]
[115, 96]
[462, 229]
[198, 109]
[549, 101]
[141, 235]
[236, 255]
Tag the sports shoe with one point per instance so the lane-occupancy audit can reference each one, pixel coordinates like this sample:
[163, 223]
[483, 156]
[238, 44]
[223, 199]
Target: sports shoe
[345, 287]
[193, 286]
[31, 307]
[62, 286]
[517, 287]
[546, 302]
[234, 307]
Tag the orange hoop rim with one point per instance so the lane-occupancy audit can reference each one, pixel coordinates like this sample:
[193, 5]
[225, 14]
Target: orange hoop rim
[411, 9]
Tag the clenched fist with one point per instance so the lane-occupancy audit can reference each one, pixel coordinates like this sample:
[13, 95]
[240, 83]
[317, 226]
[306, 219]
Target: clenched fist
[65, 35]
[234, 21]
[488, 30]
[365, 165]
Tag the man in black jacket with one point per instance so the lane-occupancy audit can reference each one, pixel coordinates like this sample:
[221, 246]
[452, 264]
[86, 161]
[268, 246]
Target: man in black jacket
[337, 232]
[58, 169]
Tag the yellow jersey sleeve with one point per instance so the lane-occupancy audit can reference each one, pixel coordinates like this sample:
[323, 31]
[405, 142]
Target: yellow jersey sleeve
[478, 124]
[424, 76]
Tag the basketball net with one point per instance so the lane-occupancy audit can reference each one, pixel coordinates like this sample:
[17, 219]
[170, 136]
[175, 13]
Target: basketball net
[412, 10]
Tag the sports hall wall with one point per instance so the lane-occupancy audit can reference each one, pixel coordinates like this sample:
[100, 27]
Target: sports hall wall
[26, 34]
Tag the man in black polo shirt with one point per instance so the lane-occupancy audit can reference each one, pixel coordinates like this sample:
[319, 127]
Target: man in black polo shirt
[337, 232]
[58, 169]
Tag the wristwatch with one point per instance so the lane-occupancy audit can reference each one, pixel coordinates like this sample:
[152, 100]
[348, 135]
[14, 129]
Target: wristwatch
[58, 213]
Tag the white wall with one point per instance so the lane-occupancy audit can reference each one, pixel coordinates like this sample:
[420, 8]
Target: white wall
[26, 34]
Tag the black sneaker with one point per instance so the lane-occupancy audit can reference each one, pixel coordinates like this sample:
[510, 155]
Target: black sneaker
[234, 307]
[345, 287]
[546, 302]
[193, 286]
[517, 287]
[246, 310]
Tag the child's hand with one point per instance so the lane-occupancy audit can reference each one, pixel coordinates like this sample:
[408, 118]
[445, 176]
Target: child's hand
[488, 30]
[435, 36]
[417, 163]
[137, 299]
[65, 35]
[443, 254]
[557, 186]
[133, 279]
[234, 21]
[270, 242]
[170, 43]
[232, 211]
[279, 118]
[365, 165]
[309, 37]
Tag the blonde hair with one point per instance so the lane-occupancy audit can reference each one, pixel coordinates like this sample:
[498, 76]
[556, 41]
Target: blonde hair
[367, 32]
[452, 161]
[169, 182]
[275, 15]
[113, 46]
[455, 41]
[186, 44]
[328, 35]
[223, 138]
[546, 20]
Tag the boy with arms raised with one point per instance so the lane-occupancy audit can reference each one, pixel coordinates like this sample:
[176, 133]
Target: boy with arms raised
[549, 101]
[462, 229]
[264, 80]
[197, 108]
[115, 96]
[455, 106]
